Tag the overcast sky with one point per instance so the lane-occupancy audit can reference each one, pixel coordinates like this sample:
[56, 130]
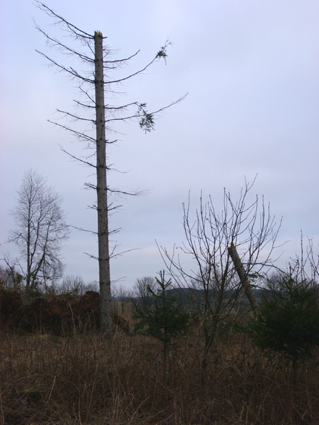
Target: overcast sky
[251, 70]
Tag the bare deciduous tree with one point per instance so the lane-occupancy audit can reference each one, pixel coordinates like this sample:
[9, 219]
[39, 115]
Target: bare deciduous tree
[304, 267]
[75, 285]
[205, 262]
[93, 85]
[40, 230]
[141, 290]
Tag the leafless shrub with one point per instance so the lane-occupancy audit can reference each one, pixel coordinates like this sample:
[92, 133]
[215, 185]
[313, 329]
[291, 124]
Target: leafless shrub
[204, 262]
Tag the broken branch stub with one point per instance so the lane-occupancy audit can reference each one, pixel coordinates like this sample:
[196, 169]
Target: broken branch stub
[243, 277]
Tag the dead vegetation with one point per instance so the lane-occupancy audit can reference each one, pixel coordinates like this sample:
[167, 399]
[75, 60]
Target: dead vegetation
[61, 315]
[79, 378]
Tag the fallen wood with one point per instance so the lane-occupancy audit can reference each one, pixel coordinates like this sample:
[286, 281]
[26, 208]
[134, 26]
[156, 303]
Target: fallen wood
[243, 277]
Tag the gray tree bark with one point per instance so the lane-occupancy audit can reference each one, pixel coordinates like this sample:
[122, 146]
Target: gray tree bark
[146, 122]
[243, 277]
[101, 188]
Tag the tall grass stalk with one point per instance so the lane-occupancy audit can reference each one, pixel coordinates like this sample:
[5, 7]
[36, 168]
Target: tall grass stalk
[86, 380]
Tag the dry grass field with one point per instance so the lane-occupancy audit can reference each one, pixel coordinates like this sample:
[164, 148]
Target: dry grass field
[83, 379]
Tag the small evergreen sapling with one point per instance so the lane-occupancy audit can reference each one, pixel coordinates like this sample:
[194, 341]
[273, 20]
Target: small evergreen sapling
[165, 319]
[288, 320]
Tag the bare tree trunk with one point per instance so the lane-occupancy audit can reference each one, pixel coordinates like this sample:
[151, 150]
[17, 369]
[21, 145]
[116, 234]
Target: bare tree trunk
[101, 188]
[145, 118]
[28, 277]
[243, 277]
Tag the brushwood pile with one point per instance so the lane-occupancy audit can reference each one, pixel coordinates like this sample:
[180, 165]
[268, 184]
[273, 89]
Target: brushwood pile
[60, 315]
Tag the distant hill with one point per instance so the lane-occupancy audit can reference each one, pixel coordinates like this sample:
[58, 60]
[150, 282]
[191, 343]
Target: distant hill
[190, 295]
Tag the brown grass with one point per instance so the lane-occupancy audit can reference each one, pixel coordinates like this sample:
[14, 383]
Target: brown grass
[86, 380]
[83, 379]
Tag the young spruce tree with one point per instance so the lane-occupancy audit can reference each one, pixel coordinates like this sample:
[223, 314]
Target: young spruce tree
[287, 322]
[165, 319]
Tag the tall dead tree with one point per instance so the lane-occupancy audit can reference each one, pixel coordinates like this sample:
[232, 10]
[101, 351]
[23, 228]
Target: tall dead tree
[104, 114]
[101, 187]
